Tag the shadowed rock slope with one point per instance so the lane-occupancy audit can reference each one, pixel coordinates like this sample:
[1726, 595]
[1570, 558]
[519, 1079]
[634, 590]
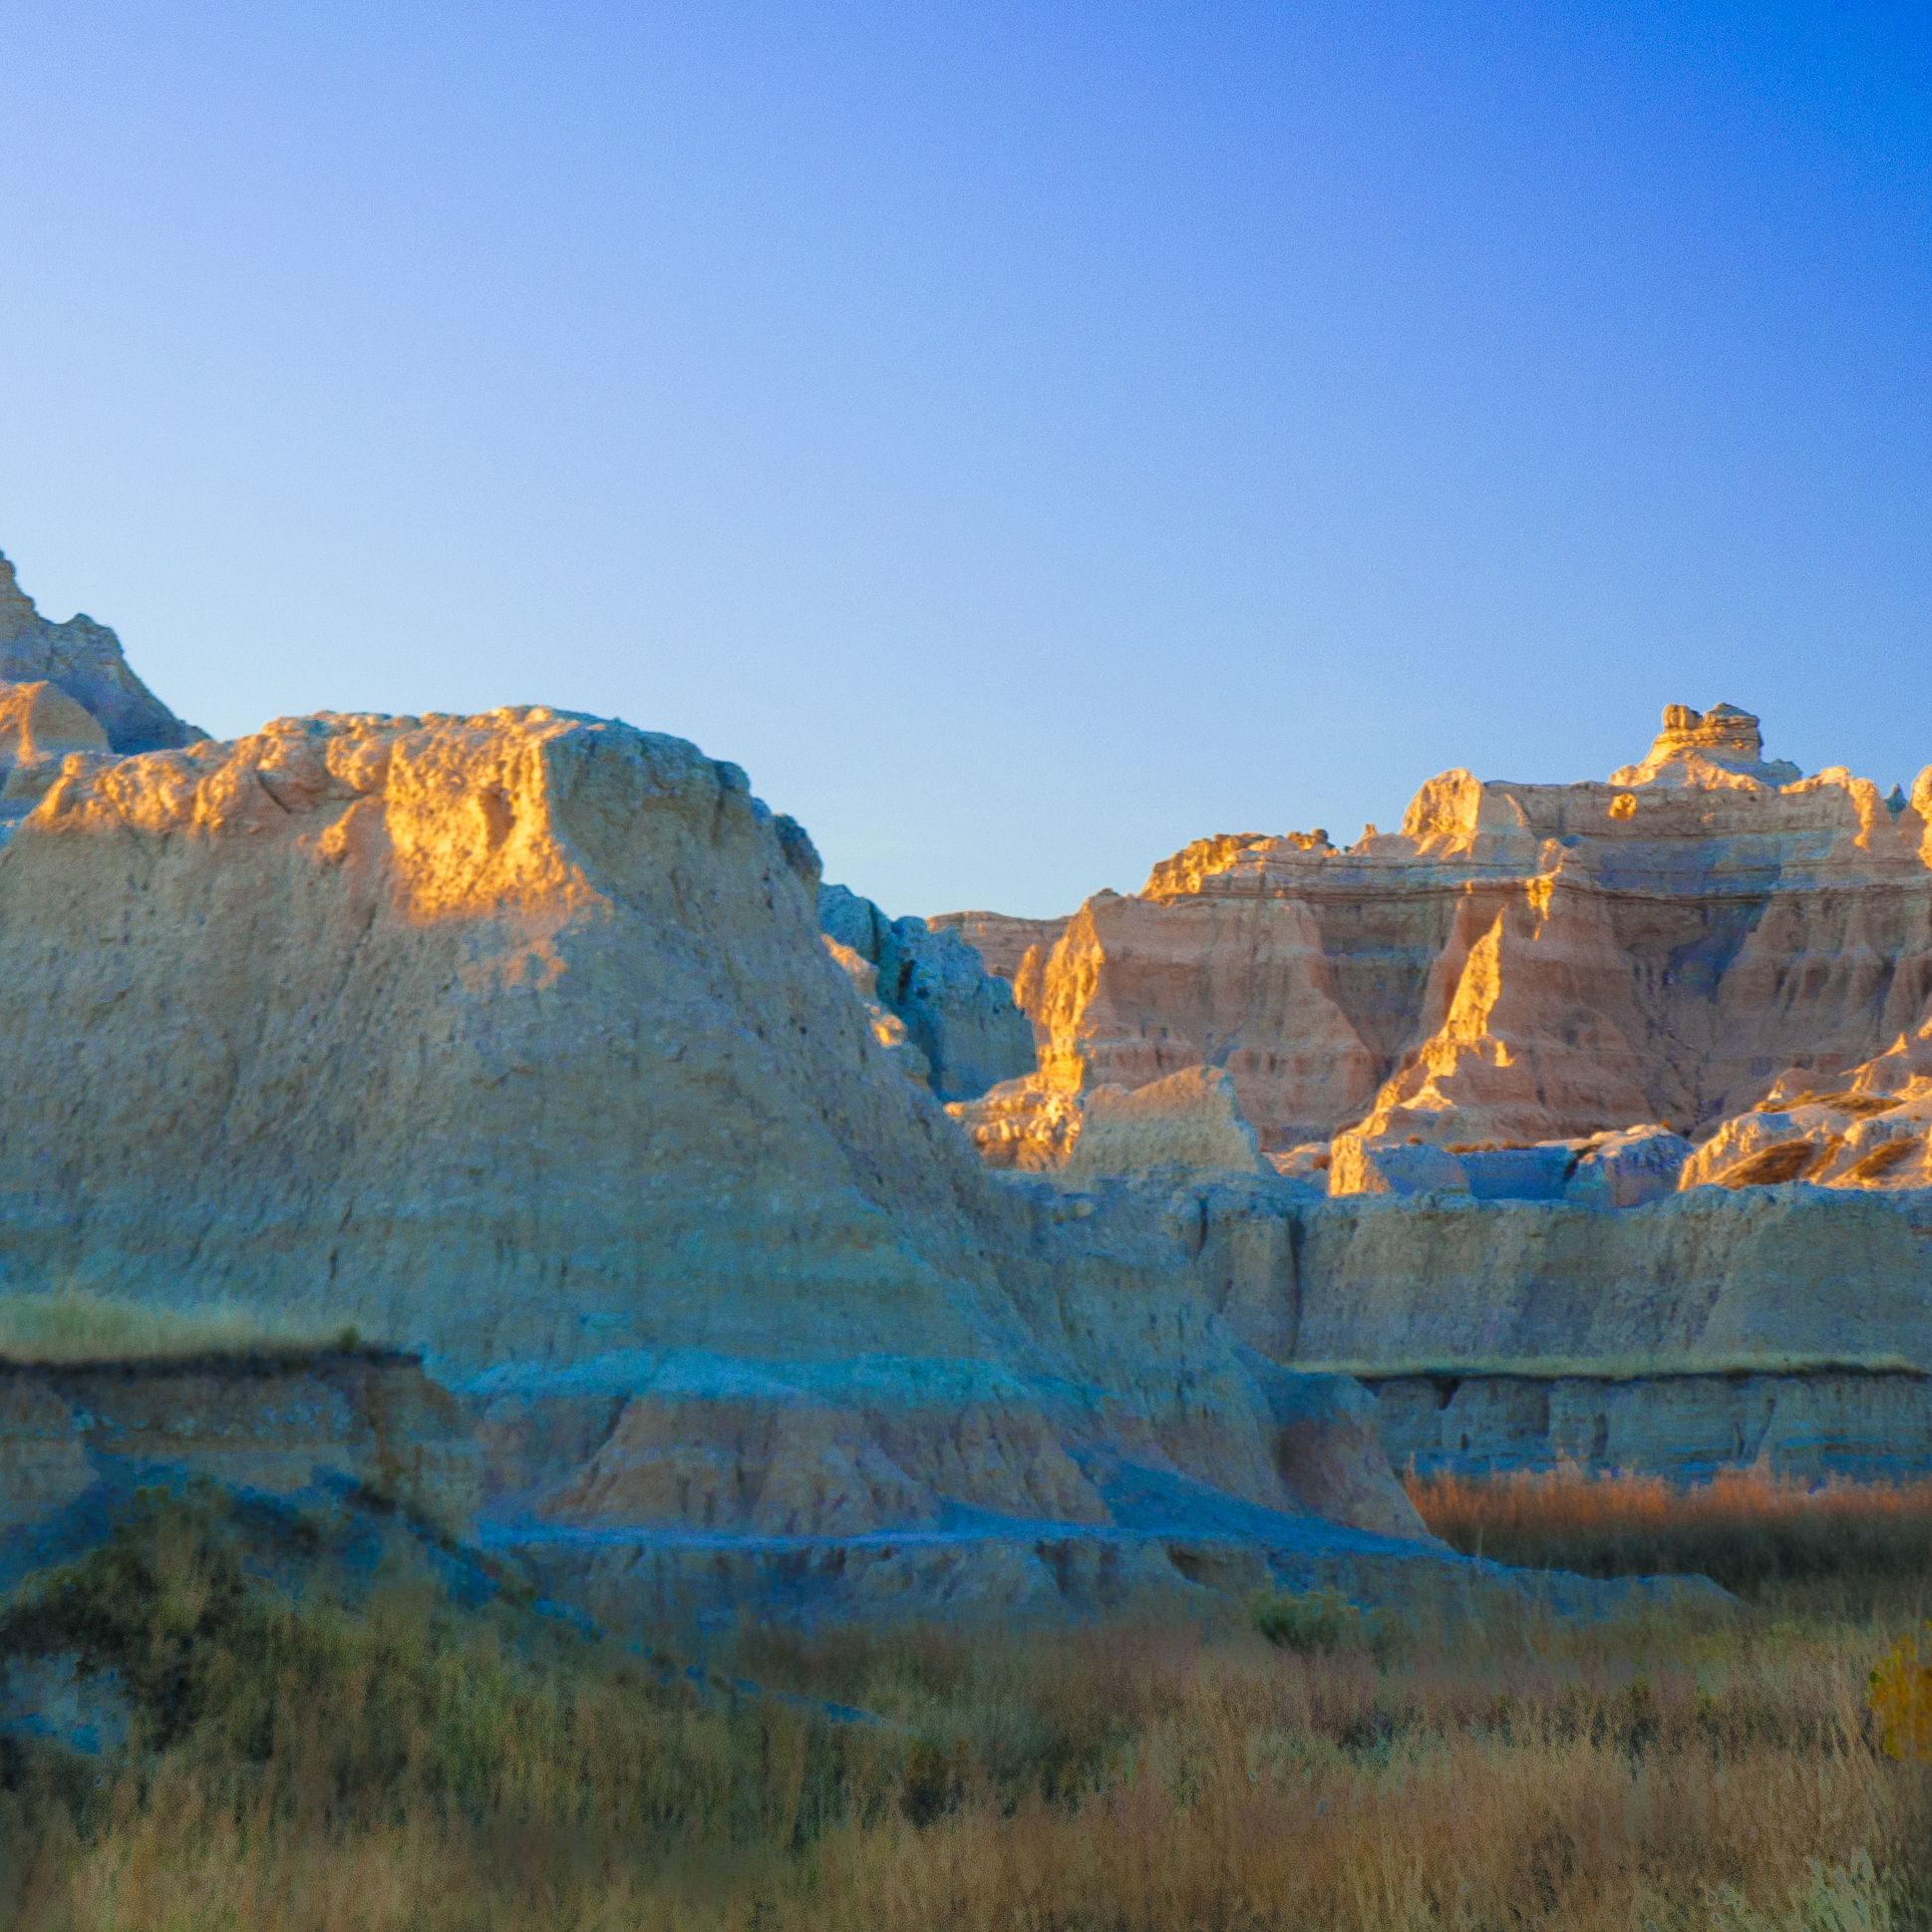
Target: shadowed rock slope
[84, 660]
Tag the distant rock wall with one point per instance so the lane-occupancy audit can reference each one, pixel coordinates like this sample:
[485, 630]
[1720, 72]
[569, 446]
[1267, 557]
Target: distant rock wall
[1769, 1270]
[1521, 963]
[1848, 1423]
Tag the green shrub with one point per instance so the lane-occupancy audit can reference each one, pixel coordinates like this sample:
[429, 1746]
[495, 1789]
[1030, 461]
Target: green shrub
[1310, 1621]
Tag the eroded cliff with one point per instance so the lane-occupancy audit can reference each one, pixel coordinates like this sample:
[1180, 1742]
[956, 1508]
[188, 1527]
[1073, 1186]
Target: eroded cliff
[1521, 963]
[513, 1039]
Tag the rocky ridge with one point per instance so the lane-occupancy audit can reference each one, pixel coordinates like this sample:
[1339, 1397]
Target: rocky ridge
[955, 1017]
[532, 1043]
[1677, 951]
[85, 661]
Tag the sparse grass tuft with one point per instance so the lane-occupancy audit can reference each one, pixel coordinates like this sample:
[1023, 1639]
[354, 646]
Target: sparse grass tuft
[72, 1325]
[1770, 1166]
[1883, 1158]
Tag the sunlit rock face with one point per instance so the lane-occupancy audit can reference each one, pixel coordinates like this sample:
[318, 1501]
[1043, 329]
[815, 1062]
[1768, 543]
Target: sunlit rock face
[1185, 1126]
[1521, 963]
[84, 660]
[1867, 1128]
[514, 1039]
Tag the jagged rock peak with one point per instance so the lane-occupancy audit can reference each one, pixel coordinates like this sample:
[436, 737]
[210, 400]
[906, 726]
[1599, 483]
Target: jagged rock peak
[1692, 742]
[17, 612]
[86, 661]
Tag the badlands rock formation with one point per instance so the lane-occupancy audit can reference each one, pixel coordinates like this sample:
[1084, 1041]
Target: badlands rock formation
[277, 1424]
[1852, 1421]
[84, 660]
[514, 1040]
[1519, 964]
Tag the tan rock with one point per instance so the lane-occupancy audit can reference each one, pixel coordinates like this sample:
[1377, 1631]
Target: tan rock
[1188, 1124]
[1809, 1424]
[887, 1028]
[40, 720]
[1137, 989]
[1363, 1166]
[1021, 1125]
[272, 1423]
[84, 660]
[513, 1038]
[1707, 748]
[960, 1019]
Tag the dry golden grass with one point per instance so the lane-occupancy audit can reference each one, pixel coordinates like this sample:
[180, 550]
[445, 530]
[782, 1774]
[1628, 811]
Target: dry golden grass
[1242, 1788]
[1747, 1529]
[410, 1767]
[1770, 1165]
[1883, 1158]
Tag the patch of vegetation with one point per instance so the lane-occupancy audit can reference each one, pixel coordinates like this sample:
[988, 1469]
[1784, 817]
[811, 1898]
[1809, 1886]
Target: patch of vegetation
[317, 1755]
[1321, 1622]
[71, 1325]
[1883, 1158]
[1770, 1166]
[1745, 1529]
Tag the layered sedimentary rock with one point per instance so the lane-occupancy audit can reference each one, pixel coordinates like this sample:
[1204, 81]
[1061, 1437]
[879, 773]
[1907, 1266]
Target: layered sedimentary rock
[515, 1040]
[279, 1424]
[1611, 1169]
[1521, 963]
[1866, 1129]
[1185, 1126]
[1845, 1421]
[84, 659]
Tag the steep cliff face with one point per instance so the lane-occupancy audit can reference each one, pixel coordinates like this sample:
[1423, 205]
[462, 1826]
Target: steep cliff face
[513, 1038]
[475, 1031]
[1520, 962]
[84, 659]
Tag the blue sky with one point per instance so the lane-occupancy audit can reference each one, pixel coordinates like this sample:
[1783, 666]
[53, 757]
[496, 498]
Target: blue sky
[1025, 438]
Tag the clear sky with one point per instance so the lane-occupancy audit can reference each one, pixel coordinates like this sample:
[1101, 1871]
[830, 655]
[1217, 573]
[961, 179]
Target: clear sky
[1024, 437]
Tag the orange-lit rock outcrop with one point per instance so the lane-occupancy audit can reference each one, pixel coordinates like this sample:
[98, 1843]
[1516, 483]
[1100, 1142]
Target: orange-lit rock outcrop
[1519, 963]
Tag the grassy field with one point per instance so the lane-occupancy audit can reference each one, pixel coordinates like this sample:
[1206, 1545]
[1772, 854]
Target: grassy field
[400, 1762]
